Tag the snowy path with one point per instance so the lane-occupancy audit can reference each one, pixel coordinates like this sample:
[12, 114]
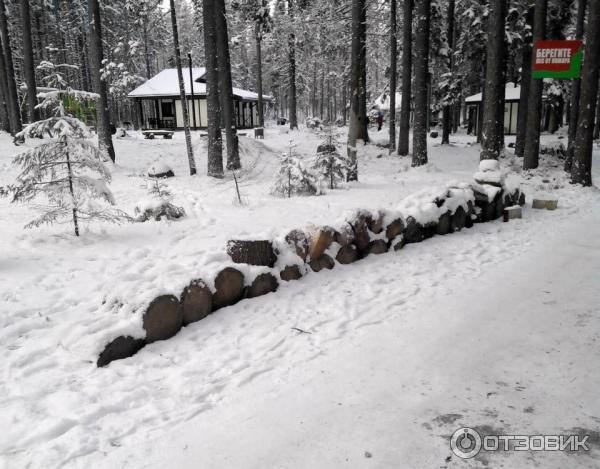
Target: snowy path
[431, 346]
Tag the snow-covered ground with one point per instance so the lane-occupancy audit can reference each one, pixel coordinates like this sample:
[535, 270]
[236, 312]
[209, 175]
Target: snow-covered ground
[496, 326]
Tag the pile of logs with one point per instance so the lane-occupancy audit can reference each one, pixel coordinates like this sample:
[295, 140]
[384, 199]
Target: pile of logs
[363, 234]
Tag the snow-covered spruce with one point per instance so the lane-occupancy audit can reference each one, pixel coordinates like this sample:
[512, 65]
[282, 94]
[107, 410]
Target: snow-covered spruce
[293, 178]
[330, 166]
[158, 203]
[66, 173]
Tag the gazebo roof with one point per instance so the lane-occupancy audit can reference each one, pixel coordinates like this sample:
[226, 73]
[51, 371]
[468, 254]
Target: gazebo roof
[166, 84]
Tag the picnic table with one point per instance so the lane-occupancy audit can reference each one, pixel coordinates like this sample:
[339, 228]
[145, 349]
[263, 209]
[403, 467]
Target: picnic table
[150, 134]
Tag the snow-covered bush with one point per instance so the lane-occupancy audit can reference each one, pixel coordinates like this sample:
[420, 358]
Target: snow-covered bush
[293, 178]
[67, 173]
[158, 203]
[313, 123]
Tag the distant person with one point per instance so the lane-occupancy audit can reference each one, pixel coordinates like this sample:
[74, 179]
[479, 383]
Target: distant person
[379, 120]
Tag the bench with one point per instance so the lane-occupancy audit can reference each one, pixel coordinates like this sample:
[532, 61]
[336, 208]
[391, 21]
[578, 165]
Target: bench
[150, 134]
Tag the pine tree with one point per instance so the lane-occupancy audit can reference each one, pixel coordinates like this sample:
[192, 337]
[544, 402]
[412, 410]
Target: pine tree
[293, 178]
[330, 166]
[582, 158]
[67, 173]
[12, 94]
[393, 67]
[406, 79]
[421, 124]
[158, 204]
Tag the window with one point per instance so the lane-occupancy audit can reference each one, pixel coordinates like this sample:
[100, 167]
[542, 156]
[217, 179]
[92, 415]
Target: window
[166, 108]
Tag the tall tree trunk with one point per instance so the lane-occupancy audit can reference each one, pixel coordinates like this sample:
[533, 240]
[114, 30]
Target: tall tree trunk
[182, 96]
[534, 106]
[4, 100]
[105, 143]
[423, 14]
[575, 90]
[357, 7]
[525, 85]
[406, 79]
[292, 69]
[447, 111]
[12, 95]
[393, 68]
[213, 102]
[28, 64]
[259, 84]
[493, 106]
[363, 128]
[226, 86]
[597, 126]
[314, 90]
[582, 158]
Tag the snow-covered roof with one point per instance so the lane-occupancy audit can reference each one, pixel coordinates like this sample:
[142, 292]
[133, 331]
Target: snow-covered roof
[166, 83]
[512, 93]
[383, 101]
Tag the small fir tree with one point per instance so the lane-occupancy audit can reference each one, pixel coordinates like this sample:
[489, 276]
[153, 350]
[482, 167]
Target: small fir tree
[293, 177]
[67, 173]
[329, 164]
[158, 204]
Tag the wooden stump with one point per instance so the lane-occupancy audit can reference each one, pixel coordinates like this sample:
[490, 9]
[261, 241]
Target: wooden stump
[229, 286]
[394, 229]
[291, 272]
[320, 241]
[163, 318]
[347, 254]
[510, 213]
[119, 348]
[459, 219]
[299, 243]
[377, 246]
[323, 262]
[263, 284]
[259, 252]
[196, 302]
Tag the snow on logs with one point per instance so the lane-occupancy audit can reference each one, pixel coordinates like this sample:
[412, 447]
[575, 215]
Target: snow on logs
[261, 264]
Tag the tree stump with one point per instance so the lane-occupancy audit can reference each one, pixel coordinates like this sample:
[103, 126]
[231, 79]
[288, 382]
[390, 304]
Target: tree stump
[263, 284]
[394, 229]
[259, 252]
[510, 213]
[119, 348]
[377, 246]
[347, 254]
[459, 219]
[196, 302]
[163, 318]
[229, 286]
[291, 272]
[323, 262]
[299, 243]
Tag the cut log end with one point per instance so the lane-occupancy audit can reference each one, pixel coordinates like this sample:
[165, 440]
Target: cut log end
[163, 318]
[229, 288]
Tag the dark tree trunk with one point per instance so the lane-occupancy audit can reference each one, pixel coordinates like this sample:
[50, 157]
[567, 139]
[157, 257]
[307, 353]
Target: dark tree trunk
[182, 96]
[11, 84]
[447, 112]
[423, 14]
[393, 68]
[534, 106]
[575, 90]
[363, 128]
[28, 65]
[96, 57]
[357, 7]
[525, 84]
[493, 106]
[259, 84]
[292, 69]
[215, 139]
[597, 126]
[406, 79]
[314, 90]
[226, 86]
[4, 100]
[582, 158]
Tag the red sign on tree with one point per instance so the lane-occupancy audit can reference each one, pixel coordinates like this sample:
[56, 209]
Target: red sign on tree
[557, 59]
